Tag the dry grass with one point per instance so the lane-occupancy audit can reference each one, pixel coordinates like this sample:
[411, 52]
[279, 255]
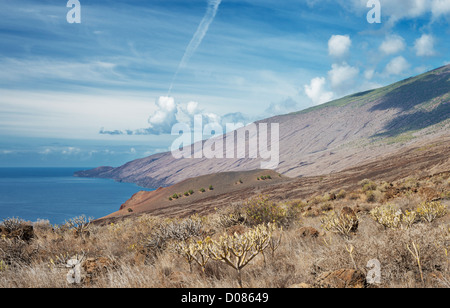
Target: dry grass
[132, 263]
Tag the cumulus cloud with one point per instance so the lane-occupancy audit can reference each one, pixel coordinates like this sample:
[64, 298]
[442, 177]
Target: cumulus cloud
[168, 113]
[424, 46]
[343, 77]
[165, 116]
[397, 66]
[316, 91]
[339, 45]
[440, 8]
[392, 44]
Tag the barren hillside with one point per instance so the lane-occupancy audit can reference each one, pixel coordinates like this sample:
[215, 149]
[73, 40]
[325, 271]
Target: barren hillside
[324, 139]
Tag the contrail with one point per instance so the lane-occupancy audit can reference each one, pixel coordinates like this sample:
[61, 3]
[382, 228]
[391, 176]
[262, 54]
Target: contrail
[213, 6]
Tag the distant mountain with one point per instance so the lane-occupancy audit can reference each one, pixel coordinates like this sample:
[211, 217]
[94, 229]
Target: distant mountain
[324, 139]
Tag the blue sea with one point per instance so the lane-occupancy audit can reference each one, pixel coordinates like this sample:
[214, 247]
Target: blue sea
[56, 195]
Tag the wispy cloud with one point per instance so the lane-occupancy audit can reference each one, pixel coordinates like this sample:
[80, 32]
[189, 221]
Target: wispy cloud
[213, 6]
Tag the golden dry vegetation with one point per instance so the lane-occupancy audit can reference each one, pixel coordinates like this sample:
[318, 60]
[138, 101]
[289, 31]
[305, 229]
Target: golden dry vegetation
[330, 240]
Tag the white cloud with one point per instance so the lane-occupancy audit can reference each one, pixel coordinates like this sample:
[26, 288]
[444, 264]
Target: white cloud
[167, 114]
[440, 7]
[70, 151]
[283, 107]
[368, 74]
[70, 115]
[424, 46]
[164, 117]
[339, 45]
[393, 44]
[316, 91]
[342, 77]
[397, 66]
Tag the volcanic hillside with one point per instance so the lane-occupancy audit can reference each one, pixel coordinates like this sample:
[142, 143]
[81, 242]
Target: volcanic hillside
[326, 139]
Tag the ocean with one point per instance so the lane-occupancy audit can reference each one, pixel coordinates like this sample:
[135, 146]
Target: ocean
[56, 195]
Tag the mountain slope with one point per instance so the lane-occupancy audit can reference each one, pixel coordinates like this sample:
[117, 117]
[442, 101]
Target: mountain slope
[325, 139]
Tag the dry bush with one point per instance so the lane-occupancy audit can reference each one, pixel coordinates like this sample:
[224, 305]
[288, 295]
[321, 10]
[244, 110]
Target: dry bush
[296, 259]
[261, 210]
[342, 223]
[430, 211]
[231, 216]
[392, 217]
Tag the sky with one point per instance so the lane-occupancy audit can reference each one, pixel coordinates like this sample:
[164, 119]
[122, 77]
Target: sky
[109, 89]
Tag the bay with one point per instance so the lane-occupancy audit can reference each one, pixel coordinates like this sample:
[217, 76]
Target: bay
[54, 194]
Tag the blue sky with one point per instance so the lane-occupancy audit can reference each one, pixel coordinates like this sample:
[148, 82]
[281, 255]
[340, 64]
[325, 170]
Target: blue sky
[95, 93]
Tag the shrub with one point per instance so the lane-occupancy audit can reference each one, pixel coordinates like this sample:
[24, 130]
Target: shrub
[231, 218]
[211, 187]
[261, 210]
[191, 192]
[237, 251]
[430, 211]
[316, 200]
[393, 218]
[80, 225]
[197, 251]
[369, 186]
[202, 190]
[370, 196]
[343, 223]
[326, 207]
[342, 194]
[12, 224]
[173, 230]
[445, 195]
